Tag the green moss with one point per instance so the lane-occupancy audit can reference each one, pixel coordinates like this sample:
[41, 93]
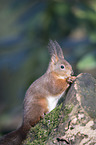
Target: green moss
[40, 133]
[67, 110]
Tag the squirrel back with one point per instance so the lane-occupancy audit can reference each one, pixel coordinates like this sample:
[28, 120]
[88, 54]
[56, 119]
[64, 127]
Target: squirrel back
[43, 94]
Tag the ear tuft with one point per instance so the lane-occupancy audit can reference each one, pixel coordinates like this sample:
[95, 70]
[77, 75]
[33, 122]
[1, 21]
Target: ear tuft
[52, 48]
[59, 50]
[55, 49]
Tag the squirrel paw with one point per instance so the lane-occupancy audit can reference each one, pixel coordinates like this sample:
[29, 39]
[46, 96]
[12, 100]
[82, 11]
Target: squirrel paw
[43, 115]
[71, 79]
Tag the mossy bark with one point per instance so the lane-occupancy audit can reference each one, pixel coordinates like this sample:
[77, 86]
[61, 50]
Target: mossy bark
[73, 121]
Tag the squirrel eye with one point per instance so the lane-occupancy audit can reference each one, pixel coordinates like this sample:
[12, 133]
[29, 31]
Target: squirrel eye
[62, 66]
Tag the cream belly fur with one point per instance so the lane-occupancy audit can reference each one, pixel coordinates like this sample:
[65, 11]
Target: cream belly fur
[52, 101]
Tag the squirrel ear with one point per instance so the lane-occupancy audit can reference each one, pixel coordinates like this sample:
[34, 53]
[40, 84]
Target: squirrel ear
[53, 51]
[54, 59]
[59, 50]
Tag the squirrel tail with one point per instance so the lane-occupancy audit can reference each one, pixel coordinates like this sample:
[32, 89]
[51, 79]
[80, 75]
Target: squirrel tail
[15, 137]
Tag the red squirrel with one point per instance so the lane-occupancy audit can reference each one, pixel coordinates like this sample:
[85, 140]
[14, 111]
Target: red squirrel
[43, 94]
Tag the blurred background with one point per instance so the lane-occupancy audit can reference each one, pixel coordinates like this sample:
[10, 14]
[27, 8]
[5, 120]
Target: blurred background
[25, 29]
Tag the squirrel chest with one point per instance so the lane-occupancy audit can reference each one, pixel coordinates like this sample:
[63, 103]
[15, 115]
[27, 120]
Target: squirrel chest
[52, 101]
[57, 88]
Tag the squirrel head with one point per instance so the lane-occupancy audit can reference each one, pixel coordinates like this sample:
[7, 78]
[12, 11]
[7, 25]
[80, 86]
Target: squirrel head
[58, 64]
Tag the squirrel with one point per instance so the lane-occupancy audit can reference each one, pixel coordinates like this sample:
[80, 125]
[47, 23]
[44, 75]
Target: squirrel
[43, 94]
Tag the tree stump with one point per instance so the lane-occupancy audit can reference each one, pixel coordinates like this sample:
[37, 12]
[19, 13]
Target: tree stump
[72, 122]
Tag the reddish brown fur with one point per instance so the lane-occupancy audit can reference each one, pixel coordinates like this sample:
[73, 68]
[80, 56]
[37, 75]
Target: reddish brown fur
[57, 85]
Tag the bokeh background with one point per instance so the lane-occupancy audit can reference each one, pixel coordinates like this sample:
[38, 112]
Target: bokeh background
[25, 29]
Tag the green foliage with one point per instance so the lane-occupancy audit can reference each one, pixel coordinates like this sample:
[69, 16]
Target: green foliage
[87, 62]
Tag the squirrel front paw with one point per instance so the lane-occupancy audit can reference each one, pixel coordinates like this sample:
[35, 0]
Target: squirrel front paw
[71, 79]
[43, 115]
